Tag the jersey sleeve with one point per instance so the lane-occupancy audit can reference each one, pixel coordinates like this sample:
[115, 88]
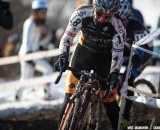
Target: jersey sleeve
[118, 46]
[74, 25]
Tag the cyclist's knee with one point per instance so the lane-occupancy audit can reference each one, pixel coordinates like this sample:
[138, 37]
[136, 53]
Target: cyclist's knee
[71, 83]
[111, 97]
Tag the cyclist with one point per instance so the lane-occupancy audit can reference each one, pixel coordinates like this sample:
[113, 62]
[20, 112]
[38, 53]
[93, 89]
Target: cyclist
[135, 31]
[32, 29]
[136, 13]
[100, 48]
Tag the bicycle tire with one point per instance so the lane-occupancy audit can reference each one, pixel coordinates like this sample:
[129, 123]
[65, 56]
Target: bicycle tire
[91, 121]
[140, 113]
[75, 116]
[67, 117]
[147, 83]
[84, 107]
[80, 107]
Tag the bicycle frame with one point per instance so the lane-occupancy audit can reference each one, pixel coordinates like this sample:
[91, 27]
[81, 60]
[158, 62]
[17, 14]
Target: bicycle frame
[82, 102]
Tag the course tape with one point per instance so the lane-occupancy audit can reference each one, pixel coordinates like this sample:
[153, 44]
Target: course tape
[33, 81]
[154, 102]
[31, 56]
[148, 37]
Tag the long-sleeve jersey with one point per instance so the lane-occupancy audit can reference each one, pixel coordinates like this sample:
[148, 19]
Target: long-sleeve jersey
[30, 37]
[106, 38]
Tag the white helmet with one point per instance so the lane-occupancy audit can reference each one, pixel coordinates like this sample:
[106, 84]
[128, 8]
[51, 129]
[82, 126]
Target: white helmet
[107, 6]
[125, 9]
[39, 4]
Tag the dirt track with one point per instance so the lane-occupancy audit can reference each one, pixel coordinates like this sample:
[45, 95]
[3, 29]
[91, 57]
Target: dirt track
[43, 120]
[48, 119]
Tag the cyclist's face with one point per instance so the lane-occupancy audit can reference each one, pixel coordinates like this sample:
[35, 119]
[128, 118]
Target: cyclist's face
[42, 14]
[101, 17]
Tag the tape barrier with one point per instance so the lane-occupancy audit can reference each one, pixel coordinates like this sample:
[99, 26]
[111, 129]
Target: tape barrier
[145, 50]
[31, 56]
[148, 37]
[28, 82]
[154, 102]
[143, 92]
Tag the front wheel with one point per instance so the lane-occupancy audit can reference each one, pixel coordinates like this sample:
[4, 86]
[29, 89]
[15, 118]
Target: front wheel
[67, 117]
[142, 114]
[145, 85]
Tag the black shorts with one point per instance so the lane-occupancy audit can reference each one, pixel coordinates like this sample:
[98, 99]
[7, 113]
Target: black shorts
[87, 59]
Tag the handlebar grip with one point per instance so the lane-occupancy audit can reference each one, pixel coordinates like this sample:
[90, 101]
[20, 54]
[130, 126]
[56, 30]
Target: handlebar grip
[58, 78]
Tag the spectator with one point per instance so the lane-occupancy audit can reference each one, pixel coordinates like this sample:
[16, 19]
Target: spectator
[12, 46]
[32, 30]
[6, 16]
[136, 13]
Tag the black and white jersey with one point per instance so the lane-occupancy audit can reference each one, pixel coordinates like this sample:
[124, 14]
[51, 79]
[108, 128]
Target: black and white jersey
[106, 38]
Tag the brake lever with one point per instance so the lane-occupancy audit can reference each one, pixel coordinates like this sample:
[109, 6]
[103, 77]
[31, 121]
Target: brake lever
[59, 76]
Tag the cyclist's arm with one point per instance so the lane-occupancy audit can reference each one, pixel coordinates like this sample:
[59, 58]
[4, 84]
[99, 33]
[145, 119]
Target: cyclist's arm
[74, 25]
[118, 47]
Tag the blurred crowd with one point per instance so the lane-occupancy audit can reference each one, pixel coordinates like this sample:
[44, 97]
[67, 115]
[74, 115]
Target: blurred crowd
[49, 39]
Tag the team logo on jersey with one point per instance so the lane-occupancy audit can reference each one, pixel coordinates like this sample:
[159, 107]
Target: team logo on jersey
[95, 40]
[82, 13]
[105, 28]
[139, 34]
[91, 25]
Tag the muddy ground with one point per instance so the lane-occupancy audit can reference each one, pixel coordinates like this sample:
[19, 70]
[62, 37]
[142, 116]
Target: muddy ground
[42, 120]
[48, 119]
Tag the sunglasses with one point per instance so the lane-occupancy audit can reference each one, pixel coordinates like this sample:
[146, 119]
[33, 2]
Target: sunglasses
[99, 13]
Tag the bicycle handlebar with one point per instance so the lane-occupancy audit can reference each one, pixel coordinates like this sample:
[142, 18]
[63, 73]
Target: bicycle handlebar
[89, 75]
[80, 72]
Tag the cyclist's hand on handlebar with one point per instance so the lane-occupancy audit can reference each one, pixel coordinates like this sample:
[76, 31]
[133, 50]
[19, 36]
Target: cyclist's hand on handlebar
[62, 63]
[112, 82]
[113, 79]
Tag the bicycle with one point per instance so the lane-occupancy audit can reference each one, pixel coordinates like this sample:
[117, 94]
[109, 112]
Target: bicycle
[85, 110]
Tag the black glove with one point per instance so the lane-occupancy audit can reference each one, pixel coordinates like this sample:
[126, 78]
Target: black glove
[113, 79]
[62, 63]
